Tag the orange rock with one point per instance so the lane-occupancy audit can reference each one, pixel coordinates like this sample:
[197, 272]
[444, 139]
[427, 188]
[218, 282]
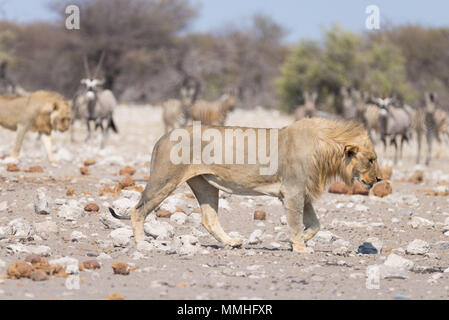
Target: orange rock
[12, 167]
[91, 264]
[127, 171]
[339, 188]
[39, 275]
[19, 269]
[163, 214]
[70, 192]
[89, 163]
[260, 215]
[127, 182]
[35, 169]
[190, 195]
[84, 171]
[92, 207]
[417, 177]
[121, 268]
[382, 189]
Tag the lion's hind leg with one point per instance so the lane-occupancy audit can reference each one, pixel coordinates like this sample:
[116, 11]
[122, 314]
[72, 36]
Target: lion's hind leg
[207, 197]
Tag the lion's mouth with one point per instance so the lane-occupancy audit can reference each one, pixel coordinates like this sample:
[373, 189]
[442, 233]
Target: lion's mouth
[367, 185]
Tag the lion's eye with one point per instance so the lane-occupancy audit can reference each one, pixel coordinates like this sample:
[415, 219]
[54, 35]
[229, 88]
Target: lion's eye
[372, 161]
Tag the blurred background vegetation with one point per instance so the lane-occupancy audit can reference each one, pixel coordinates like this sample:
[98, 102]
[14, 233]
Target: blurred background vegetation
[149, 55]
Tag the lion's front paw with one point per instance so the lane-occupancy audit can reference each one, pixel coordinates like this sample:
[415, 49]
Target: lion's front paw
[234, 243]
[302, 249]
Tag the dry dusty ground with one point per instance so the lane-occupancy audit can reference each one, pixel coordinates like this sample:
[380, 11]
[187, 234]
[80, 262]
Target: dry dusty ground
[264, 270]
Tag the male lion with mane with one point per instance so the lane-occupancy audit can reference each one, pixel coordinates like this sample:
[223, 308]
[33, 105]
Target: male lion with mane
[311, 153]
[41, 111]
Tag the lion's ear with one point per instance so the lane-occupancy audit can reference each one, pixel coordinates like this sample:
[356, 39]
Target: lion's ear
[55, 106]
[351, 150]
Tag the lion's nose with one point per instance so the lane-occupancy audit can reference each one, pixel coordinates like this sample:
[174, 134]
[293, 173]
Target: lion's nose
[379, 179]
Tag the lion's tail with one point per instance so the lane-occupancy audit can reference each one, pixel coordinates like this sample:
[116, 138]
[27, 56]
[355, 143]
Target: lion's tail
[115, 215]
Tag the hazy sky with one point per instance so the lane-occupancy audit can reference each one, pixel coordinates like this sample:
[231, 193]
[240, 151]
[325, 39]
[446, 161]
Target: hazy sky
[302, 19]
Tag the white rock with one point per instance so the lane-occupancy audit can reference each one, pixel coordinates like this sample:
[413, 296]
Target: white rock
[17, 248]
[417, 247]
[159, 230]
[178, 218]
[361, 208]
[132, 195]
[19, 228]
[71, 211]
[341, 243]
[110, 222]
[418, 222]
[104, 256]
[283, 220]
[77, 235]
[255, 237]
[42, 251]
[46, 228]
[68, 263]
[144, 246]
[186, 245]
[123, 206]
[63, 154]
[121, 237]
[324, 236]
[41, 205]
[195, 218]
[390, 272]
[282, 236]
[393, 260]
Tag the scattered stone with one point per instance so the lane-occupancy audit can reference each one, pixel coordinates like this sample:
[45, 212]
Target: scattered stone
[12, 167]
[19, 269]
[393, 260]
[367, 248]
[163, 214]
[41, 205]
[127, 182]
[178, 217]
[45, 229]
[89, 163]
[159, 230]
[121, 237]
[417, 177]
[338, 188]
[110, 222]
[70, 193]
[71, 211]
[71, 265]
[77, 235]
[127, 171]
[39, 275]
[84, 171]
[35, 169]
[325, 236]
[283, 220]
[418, 222]
[417, 247]
[382, 189]
[91, 265]
[19, 228]
[92, 207]
[340, 251]
[260, 215]
[391, 272]
[123, 206]
[186, 245]
[255, 237]
[376, 242]
[121, 268]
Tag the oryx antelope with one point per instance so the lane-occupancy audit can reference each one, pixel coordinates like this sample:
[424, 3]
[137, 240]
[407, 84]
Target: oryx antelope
[308, 109]
[176, 113]
[94, 104]
[214, 113]
[394, 124]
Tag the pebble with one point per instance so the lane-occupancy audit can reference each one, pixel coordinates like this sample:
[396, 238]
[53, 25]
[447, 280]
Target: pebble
[417, 247]
[255, 237]
[41, 205]
[393, 260]
[121, 237]
[178, 218]
[159, 230]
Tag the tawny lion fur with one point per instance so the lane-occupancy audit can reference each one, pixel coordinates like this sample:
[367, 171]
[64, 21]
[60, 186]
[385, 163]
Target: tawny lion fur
[41, 111]
[311, 153]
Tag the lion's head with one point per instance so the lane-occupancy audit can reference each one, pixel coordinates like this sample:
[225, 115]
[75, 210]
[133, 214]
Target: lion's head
[60, 117]
[360, 164]
[53, 112]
